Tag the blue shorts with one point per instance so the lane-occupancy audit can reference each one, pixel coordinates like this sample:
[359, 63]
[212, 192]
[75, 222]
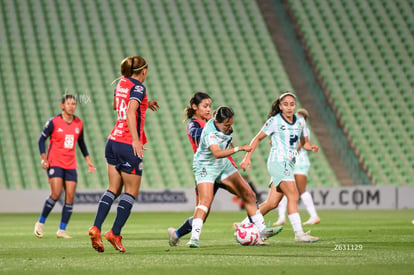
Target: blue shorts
[65, 174]
[121, 155]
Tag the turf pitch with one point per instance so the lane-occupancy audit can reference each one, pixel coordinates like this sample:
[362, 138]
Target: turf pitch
[352, 242]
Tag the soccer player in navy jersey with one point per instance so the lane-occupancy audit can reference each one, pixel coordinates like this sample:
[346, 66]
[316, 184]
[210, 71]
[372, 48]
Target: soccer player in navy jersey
[64, 131]
[124, 150]
[197, 114]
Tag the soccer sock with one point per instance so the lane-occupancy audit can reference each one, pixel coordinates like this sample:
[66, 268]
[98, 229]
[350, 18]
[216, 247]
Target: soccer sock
[296, 223]
[246, 220]
[308, 202]
[66, 213]
[196, 231]
[47, 207]
[282, 208]
[123, 211]
[104, 206]
[185, 228]
[258, 220]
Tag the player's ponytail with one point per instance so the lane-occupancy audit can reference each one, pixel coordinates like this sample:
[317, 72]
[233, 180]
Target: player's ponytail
[196, 99]
[132, 65]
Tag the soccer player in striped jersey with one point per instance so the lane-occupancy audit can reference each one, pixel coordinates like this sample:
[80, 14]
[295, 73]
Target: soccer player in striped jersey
[210, 164]
[124, 151]
[300, 171]
[286, 130]
[197, 115]
[63, 131]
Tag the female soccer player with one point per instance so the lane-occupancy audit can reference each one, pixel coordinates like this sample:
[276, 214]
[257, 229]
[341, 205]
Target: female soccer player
[300, 172]
[64, 130]
[197, 115]
[124, 150]
[211, 163]
[285, 130]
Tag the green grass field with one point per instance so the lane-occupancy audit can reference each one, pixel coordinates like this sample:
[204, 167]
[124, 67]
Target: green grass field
[352, 242]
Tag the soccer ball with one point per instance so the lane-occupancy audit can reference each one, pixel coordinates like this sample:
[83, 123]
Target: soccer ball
[247, 234]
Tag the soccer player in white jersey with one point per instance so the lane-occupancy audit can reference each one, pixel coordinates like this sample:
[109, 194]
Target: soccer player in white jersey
[210, 163]
[285, 130]
[300, 172]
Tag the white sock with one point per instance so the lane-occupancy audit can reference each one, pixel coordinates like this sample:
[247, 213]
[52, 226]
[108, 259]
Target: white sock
[296, 223]
[197, 226]
[282, 208]
[258, 220]
[308, 202]
[246, 220]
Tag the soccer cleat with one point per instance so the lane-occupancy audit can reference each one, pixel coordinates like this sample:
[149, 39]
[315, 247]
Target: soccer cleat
[61, 234]
[173, 239]
[95, 236]
[38, 229]
[306, 238]
[236, 225]
[115, 240]
[312, 220]
[193, 243]
[270, 232]
[280, 221]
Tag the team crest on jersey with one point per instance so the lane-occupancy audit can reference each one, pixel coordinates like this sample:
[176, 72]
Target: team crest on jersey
[51, 171]
[77, 130]
[203, 173]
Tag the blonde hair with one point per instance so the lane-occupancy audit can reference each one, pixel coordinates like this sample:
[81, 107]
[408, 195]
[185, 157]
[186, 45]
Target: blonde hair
[303, 112]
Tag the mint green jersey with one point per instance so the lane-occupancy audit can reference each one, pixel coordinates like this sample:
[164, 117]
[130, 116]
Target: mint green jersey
[285, 137]
[211, 135]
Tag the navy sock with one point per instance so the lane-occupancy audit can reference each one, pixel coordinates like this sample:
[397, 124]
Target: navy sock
[47, 207]
[66, 214]
[185, 228]
[104, 206]
[123, 211]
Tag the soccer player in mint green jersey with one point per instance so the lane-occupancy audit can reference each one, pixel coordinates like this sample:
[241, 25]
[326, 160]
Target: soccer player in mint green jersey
[286, 130]
[300, 172]
[210, 163]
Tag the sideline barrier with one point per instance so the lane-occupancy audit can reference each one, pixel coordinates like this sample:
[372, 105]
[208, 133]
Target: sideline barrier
[350, 198]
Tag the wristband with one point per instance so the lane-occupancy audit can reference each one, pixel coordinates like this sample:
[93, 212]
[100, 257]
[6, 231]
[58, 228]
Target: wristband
[236, 149]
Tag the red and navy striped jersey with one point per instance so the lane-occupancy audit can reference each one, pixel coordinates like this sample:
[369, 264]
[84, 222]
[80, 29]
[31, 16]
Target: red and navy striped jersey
[129, 89]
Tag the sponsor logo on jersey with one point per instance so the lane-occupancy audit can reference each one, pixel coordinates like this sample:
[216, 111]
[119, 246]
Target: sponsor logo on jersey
[60, 130]
[139, 89]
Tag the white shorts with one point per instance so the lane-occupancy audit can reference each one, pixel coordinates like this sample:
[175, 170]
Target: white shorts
[213, 173]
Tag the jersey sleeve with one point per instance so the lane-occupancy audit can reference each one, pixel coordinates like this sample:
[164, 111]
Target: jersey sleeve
[137, 93]
[268, 127]
[82, 144]
[211, 139]
[305, 131]
[194, 131]
[46, 132]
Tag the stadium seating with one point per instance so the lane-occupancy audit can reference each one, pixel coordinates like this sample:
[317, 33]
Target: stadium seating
[363, 53]
[51, 48]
